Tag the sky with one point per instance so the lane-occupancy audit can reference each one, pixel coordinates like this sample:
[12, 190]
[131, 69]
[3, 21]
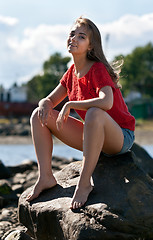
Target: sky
[32, 30]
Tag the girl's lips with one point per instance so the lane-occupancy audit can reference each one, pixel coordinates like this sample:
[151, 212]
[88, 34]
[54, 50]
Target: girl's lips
[71, 45]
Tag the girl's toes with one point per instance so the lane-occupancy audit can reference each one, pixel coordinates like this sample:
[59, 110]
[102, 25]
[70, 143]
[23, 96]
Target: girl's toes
[80, 204]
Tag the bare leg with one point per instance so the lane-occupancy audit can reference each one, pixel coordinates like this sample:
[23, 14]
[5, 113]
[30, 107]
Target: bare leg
[71, 134]
[43, 146]
[98, 131]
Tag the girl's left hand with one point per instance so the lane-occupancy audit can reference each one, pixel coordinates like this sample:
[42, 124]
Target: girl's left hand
[63, 116]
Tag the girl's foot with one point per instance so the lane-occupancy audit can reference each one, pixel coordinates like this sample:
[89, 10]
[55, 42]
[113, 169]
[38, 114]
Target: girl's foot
[80, 196]
[41, 185]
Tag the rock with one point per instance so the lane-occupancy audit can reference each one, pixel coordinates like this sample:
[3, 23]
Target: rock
[6, 193]
[9, 221]
[18, 235]
[143, 159]
[119, 207]
[4, 224]
[18, 188]
[23, 167]
[4, 171]
[2, 202]
[22, 176]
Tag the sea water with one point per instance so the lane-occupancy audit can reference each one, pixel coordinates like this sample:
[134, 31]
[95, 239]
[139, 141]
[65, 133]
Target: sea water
[12, 154]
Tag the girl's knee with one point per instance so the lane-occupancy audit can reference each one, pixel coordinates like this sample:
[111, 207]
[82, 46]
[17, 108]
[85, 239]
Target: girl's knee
[94, 116]
[34, 116]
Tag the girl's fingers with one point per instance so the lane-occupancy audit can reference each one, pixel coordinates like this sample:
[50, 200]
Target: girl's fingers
[59, 122]
[43, 117]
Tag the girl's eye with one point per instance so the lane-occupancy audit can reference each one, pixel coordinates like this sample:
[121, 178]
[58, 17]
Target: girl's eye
[71, 35]
[82, 37]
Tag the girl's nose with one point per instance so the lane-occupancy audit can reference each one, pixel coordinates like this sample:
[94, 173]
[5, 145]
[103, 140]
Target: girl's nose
[73, 38]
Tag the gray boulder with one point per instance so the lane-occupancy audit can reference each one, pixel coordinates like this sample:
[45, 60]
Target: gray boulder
[119, 207]
[143, 159]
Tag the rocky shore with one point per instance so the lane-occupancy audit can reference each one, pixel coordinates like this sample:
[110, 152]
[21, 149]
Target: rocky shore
[13, 181]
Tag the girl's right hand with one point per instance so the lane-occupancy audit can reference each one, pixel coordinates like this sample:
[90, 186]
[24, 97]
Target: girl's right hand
[45, 110]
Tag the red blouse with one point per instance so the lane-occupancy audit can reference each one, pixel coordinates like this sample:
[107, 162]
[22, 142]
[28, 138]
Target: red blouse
[88, 87]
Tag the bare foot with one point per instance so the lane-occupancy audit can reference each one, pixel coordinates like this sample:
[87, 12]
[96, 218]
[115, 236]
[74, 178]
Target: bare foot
[41, 185]
[80, 196]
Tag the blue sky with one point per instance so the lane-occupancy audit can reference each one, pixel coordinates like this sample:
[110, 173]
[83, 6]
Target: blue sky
[32, 30]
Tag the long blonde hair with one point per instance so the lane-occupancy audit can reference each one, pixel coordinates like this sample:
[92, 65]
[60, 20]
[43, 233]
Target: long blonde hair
[96, 53]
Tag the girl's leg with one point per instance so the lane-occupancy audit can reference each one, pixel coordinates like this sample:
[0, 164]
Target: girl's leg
[99, 132]
[71, 134]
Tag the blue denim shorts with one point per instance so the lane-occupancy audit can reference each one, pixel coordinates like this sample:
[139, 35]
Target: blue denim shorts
[128, 142]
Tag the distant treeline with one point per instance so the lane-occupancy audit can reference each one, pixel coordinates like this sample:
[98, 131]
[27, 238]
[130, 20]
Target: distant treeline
[136, 74]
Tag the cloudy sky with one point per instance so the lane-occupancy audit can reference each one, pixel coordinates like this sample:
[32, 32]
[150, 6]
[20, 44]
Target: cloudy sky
[32, 30]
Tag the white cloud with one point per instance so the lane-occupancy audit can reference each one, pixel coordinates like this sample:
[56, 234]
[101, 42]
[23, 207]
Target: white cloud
[37, 44]
[127, 33]
[130, 26]
[27, 53]
[10, 21]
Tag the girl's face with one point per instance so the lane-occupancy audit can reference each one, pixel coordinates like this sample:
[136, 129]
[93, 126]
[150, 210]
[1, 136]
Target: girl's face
[78, 42]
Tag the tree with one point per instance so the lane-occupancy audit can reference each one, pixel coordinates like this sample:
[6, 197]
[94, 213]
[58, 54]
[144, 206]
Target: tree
[137, 71]
[41, 85]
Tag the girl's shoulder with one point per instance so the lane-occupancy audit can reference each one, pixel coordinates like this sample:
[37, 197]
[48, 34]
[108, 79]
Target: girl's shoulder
[99, 68]
[98, 65]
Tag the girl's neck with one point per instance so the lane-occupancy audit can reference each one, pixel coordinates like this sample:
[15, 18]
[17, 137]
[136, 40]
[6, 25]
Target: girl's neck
[82, 66]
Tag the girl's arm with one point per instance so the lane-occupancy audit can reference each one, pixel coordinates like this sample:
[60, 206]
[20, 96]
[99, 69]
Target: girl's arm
[104, 101]
[57, 95]
[47, 104]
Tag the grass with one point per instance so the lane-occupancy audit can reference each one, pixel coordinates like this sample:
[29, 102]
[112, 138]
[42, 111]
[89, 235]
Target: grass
[144, 124]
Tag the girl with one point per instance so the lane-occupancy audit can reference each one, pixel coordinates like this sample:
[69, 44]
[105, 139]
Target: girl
[93, 91]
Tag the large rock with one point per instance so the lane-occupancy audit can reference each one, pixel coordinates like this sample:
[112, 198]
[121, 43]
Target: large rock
[120, 206]
[143, 159]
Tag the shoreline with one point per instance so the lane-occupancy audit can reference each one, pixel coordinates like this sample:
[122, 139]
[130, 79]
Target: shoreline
[25, 140]
[142, 137]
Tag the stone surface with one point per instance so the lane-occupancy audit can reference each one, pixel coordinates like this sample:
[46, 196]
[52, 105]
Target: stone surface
[4, 171]
[23, 167]
[18, 235]
[6, 193]
[143, 159]
[21, 177]
[120, 206]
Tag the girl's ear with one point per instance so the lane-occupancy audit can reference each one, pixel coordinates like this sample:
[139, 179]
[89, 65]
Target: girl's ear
[89, 48]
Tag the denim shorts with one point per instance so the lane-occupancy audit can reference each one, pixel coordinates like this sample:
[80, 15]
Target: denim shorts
[128, 142]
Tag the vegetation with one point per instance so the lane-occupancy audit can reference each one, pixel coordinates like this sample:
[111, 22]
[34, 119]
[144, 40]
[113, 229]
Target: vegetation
[137, 71]
[41, 85]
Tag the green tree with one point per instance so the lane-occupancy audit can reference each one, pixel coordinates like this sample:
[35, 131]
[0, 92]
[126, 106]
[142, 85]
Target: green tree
[41, 85]
[137, 70]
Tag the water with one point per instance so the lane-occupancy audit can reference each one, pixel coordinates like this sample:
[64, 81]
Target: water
[14, 154]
